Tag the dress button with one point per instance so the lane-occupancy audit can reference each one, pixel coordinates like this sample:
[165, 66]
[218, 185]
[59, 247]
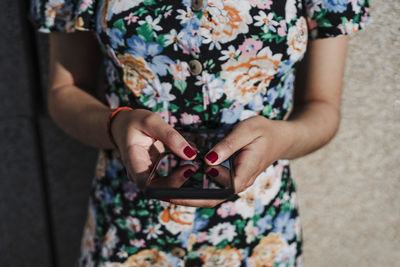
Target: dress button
[178, 252]
[197, 5]
[195, 67]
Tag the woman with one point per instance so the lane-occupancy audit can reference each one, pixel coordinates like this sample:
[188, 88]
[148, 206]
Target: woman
[184, 66]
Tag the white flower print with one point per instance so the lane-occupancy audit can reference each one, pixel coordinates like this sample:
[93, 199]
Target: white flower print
[213, 86]
[297, 39]
[266, 21]
[163, 90]
[222, 231]
[133, 224]
[172, 38]
[152, 231]
[249, 75]
[290, 10]
[185, 16]
[229, 54]
[223, 21]
[122, 254]
[177, 218]
[118, 6]
[251, 231]
[110, 240]
[152, 22]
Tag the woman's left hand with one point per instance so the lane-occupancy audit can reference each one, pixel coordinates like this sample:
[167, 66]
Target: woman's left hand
[259, 142]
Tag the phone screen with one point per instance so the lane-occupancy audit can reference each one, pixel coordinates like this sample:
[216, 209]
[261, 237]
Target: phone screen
[173, 177]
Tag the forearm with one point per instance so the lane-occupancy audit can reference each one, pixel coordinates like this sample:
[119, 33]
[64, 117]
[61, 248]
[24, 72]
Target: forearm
[80, 115]
[311, 126]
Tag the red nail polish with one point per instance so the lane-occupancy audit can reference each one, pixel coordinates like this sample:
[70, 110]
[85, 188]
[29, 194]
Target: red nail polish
[189, 151]
[213, 172]
[212, 156]
[188, 173]
[165, 199]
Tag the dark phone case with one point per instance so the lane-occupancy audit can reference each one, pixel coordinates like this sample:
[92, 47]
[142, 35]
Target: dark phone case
[189, 193]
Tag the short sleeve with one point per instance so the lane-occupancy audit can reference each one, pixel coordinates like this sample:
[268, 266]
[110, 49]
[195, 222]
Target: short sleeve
[329, 18]
[63, 15]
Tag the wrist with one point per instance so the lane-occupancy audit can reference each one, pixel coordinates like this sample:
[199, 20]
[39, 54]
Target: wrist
[284, 136]
[115, 128]
[293, 134]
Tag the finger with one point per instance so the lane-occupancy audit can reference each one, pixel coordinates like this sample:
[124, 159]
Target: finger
[139, 164]
[156, 127]
[220, 174]
[155, 150]
[246, 166]
[175, 179]
[240, 136]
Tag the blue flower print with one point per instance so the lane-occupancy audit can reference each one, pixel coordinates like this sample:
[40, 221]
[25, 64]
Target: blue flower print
[150, 52]
[285, 67]
[287, 89]
[264, 223]
[232, 115]
[272, 95]
[285, 225]
[116, 37]
[336, 6]
[256, 102]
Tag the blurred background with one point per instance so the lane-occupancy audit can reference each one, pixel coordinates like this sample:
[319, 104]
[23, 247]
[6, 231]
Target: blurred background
[349, 191]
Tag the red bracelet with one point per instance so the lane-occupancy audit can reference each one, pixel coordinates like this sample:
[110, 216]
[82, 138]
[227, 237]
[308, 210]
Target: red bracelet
[110, 119]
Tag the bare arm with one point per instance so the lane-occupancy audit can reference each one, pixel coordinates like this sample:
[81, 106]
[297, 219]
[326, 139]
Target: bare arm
[74, 62]
[316, 117]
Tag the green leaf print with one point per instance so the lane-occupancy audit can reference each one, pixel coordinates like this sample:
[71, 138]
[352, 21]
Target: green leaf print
[271, 211]
[161, 241]
[198, 108]
[143, 213]
[174, 108]
[240, 224]
[214, 108]
[119, 24]
[191, 255]
[234, 242]
[224, 243]
[181, 85]
[121, 223]
[267, 110]
[206, 213]
[149, 2]
[140, 11]
[324, 23]
[146, 32]
[226, 104]
[285, 206]
[160, 39]
[198, 97]
[131, 250]
[199, 15]
[171, 240]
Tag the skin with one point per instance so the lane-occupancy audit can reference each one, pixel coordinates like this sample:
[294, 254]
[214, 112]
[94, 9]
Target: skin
[141, 135]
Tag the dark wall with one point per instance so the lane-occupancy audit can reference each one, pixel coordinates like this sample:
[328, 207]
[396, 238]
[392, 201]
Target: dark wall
[45, 175]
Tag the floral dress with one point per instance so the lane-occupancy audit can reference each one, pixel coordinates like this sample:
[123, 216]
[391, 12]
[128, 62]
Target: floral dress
[199, 64]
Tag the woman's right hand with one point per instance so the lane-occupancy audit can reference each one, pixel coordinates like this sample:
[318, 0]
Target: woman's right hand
[141, 136]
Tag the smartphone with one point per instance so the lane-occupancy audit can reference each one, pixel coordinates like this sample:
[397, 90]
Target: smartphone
[172, 177]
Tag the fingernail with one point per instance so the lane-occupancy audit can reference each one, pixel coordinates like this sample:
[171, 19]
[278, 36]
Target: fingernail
[212, 156]
[189, 151]
[165, 199]
[188, 173]
[213, 172]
